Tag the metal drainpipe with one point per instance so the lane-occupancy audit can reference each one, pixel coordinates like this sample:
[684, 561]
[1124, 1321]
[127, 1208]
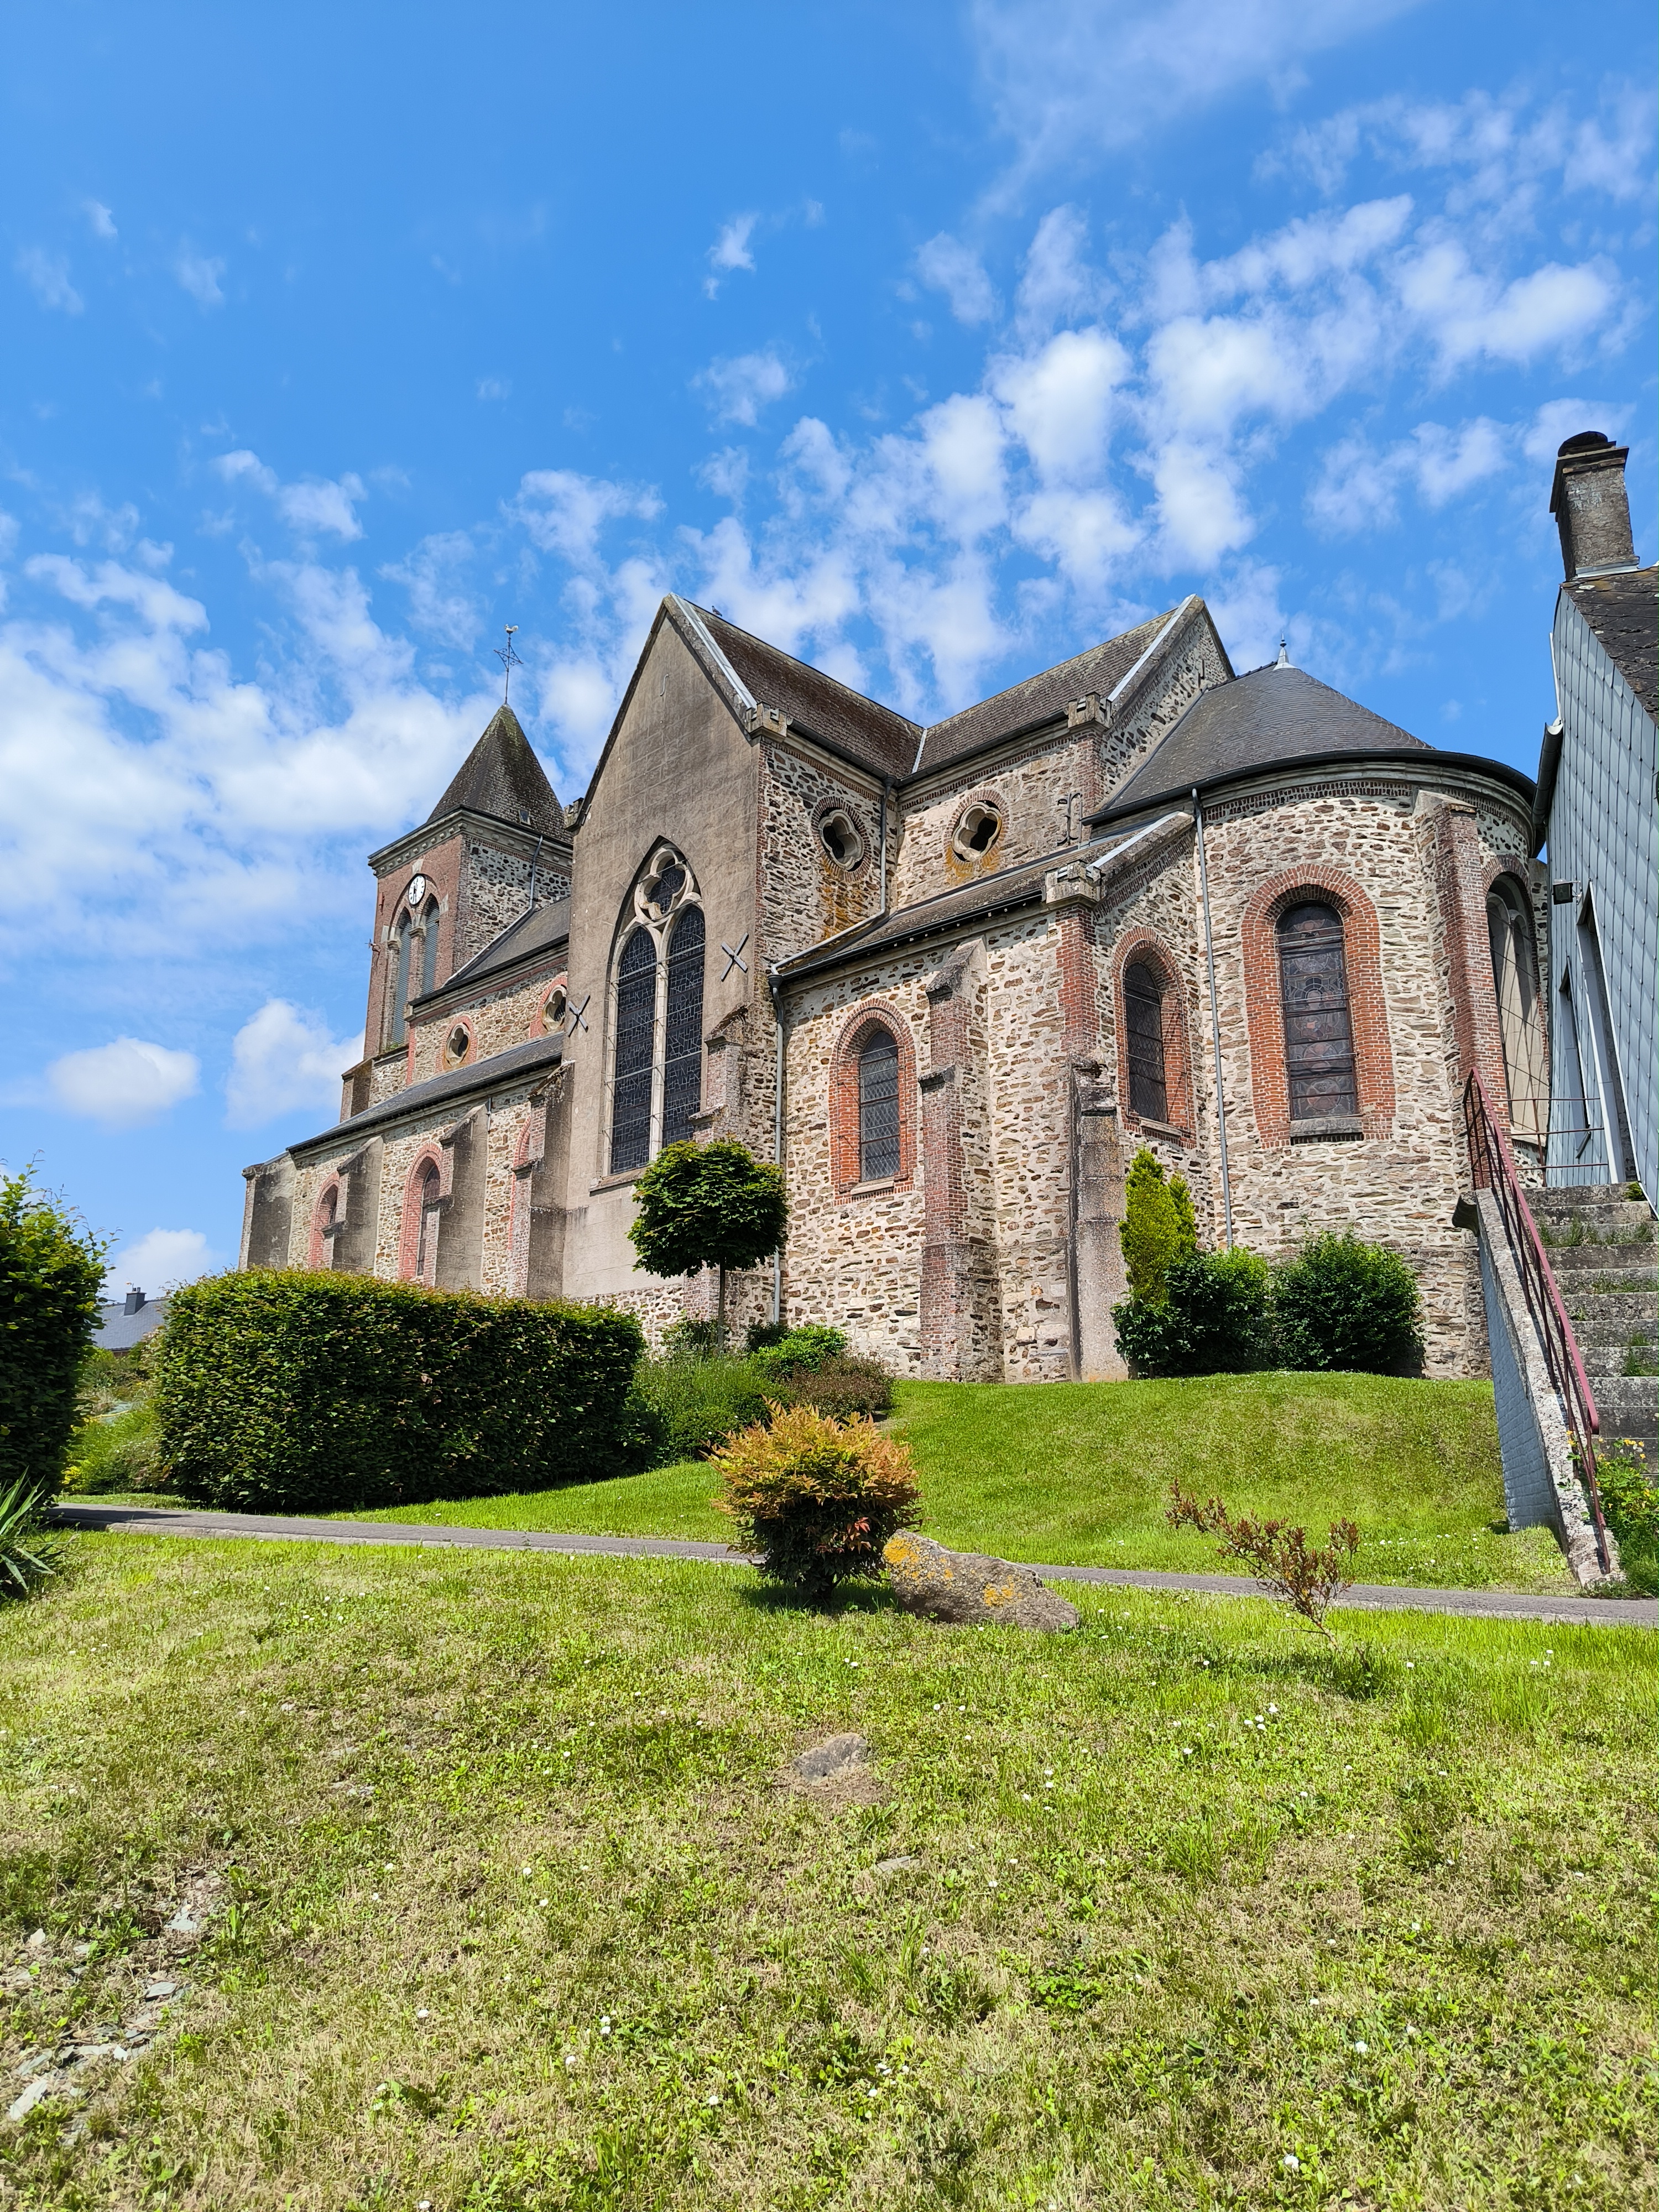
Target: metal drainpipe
[776, 990]
[1215, 1018]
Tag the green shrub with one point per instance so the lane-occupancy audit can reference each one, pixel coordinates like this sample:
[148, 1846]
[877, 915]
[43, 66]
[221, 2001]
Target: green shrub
[816, 1498]
[27, 1555]
[1215, 1318]
[840, 1387]
[52, 1272]
[708, 1205]
[1158, 1226]
[797, 1350]
[111, 1454]
[1346, 1305]
[287, 1391]
[1629, 1506]
[699, 1402]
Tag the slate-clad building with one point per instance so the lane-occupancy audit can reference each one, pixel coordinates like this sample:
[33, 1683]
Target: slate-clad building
[952, 976]
[1597, 813]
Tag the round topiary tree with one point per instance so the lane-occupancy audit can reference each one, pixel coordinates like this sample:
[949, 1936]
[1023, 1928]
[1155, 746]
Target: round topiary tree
[708, 1206]
[1343, 1304]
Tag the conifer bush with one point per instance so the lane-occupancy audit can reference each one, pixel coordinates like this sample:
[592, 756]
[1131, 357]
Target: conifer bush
[1346, 1305]
[1158, 1226]
[51, 1273]
[815, 1498]
[283, 1390]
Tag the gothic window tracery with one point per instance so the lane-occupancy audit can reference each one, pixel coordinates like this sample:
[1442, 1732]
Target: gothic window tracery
[656, 1081]
[1312, 981]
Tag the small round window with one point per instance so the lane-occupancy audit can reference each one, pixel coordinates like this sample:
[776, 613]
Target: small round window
[456, 1045]
[977, 831]
[839, 836]
[553, 1009]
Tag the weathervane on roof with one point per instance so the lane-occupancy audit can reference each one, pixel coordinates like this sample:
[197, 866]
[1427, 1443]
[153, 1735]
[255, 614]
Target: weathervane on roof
[508, 659]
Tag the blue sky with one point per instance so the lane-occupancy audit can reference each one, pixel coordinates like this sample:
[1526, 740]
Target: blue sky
[933, 344]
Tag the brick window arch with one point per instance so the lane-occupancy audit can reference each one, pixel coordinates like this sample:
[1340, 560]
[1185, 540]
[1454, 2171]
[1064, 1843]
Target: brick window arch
[872, 1115]
[326, 1222]
[419, 1229]
[1332, 968]
[1153, 1050]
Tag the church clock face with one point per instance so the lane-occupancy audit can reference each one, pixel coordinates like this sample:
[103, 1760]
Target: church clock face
[416, 891]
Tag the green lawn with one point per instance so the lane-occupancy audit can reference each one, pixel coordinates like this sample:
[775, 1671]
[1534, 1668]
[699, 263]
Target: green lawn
[506, 1907]
[1079, 1474]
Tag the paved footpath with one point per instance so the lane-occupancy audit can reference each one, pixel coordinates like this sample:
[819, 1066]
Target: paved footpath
[1375, 1597]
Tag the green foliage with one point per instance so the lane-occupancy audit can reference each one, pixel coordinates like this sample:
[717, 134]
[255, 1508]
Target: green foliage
[116, 1453]
[708, 1205]
[797, 1350]
[840, 1387]
[698, 1402]
[815, 1498]
[51, 1273]
[288, 1391]
[1157, 1228]
[1629, 1505]
[1343, 1304]
[28, 1557]
[1215, 1318]
[1277, 1553]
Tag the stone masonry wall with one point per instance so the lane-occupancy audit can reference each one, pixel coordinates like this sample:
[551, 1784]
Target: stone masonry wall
[494, 892]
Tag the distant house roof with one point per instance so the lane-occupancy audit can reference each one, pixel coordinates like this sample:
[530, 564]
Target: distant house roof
[475, 1079]
[875, 735]
[1623, 611]
[542, 931]
[1040, 698]
[501, 776]
[1272, 714]
[121, 1325]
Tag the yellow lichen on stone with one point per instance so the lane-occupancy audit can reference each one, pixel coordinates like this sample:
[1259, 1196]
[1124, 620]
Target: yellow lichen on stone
[998, 1593]
[899, 1551]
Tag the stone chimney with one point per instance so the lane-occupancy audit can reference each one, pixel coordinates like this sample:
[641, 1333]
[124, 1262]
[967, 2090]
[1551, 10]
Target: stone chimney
[135, 1300]
[1591, 506]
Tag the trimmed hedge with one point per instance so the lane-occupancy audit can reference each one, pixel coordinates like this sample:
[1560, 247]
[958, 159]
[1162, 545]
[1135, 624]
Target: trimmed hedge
[1216, 1318]
[288, 1391]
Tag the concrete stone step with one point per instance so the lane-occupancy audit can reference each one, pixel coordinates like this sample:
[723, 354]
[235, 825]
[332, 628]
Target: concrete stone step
[1631, 1312]
[1635, 1259]
[1628, 1406]
[1627, 1224]
[1570, 1198]
[1599, 1333]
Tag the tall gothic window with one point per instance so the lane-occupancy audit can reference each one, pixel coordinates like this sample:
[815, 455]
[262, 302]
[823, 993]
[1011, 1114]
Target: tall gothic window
[396, 1027]
[425, 1250]
[637, 1022]
[1313, 982]
[878, 1113]
[681, 1071]
[1143, 1008]
[1515, 978]
[429, 946]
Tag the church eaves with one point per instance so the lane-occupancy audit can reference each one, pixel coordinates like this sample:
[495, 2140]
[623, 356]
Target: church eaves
[502, 777]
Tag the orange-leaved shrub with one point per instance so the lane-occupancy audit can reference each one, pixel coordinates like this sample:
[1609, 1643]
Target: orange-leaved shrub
[816, 1498]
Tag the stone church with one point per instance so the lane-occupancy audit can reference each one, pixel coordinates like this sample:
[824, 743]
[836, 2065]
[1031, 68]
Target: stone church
[951, 977]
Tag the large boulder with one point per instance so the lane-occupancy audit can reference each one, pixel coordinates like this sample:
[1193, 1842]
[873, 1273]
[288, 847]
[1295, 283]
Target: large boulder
[970, 1587]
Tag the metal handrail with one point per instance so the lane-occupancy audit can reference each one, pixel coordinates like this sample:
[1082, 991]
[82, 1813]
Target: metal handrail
[1492, 1162]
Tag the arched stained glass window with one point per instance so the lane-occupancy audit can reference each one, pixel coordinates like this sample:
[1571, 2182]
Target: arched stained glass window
[681, 1073]
[1313, 982]
[637, 1022]
[425, 1251]
[879, 1114]
[1143, 1010]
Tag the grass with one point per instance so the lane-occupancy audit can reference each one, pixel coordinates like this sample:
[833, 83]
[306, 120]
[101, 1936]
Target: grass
[1079, 1473]
[505, 1908]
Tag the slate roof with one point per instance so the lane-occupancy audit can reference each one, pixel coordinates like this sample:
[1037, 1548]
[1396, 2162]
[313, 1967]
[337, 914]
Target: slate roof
[1008, 889]
[875, 735]
[1040, 698]
[119, 1330]
[480, 1076]
[1624, 613]
[1272, 714]
[502, 776]
[541, 931]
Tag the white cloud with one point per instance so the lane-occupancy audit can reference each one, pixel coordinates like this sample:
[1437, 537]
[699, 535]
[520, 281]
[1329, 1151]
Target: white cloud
[47, 276]
[1557, 420]
[1059, 402]
[946, 265]
[316, 504]
[495, 387]
[738, 389]
[159, 1261]
[730, 251]
[564, 512]
[1057, 284]
[439, 606]
[125, 1084]
[283, 1057]
[101, 221]
[1073, 78]
[200, 276]
[1468, 313]
[1357, 487]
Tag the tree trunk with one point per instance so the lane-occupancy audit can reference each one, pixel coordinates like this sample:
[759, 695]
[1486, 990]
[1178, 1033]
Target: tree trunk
[719, 1310]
